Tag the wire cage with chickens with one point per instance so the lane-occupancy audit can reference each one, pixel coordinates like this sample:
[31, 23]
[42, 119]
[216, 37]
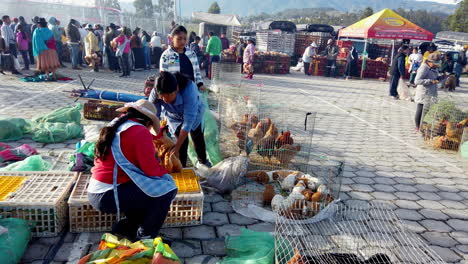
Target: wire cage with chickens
[354, 234]
[308, 192]
[443, 122]
[225, 75]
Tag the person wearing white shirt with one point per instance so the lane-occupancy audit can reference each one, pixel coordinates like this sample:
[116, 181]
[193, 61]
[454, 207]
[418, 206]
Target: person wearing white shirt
[414, 60]
[307, 57]
[156, 47]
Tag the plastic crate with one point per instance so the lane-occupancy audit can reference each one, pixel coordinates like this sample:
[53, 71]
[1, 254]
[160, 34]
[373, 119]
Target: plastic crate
[185, 210]
[187, 181]
[100, 111]
[9, 184]
[42, 199]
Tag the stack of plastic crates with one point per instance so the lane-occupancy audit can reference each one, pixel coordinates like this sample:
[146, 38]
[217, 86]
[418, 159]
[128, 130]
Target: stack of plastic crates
[186, 209]
[41, 199]
[369, 234]
[443, 122]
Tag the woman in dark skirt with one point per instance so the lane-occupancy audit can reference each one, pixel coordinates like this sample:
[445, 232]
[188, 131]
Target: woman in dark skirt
[351, 63]
[137, 50]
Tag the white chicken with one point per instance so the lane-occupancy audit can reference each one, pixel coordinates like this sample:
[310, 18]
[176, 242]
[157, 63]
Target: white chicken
[288, 182]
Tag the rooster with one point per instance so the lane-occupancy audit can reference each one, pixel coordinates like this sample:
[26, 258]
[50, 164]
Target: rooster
[286, 154]
[244, 143]
[240, 126]
[266, 145]
[256, 133]
[284, 139]
[254, 121]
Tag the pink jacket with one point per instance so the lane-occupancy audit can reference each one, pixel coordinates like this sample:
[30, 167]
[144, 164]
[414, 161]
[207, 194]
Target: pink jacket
[120, 40]
[22, 42]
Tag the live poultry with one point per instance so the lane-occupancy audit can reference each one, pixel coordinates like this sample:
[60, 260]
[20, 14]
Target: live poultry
[254, 121]
[163, 146]
[256, 133]
[266, 145]
[244, 143]
[286, 154]
[242, 125]
[284, 139]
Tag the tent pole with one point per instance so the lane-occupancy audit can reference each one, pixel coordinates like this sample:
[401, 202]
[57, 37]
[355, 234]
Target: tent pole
[364, 54]
[393, 51]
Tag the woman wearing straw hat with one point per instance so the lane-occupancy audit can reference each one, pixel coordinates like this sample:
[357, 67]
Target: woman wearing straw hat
[177, 99]
[127, 177]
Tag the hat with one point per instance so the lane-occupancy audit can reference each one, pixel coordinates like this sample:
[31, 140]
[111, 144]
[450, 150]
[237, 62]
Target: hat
[89, 26]
[434, 58]
[314, 45]
[35, 19]
[42, 21]
[145, 107]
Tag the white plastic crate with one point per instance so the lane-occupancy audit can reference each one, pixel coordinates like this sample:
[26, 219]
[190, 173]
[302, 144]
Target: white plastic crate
[42, 199]
[186, 210]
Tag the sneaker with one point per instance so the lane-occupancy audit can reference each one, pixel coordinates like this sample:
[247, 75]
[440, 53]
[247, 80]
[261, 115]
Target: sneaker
[416, 130]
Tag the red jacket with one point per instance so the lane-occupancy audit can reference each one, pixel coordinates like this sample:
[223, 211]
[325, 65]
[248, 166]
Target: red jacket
[137, 146]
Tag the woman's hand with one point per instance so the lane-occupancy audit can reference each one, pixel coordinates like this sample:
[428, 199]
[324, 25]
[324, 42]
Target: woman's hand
[175, 150]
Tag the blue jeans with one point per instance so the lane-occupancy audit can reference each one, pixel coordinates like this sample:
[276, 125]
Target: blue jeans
[458, 72]
[13, 50]
[74, 54]
[24, 54]
[331, 68]
[394, 84]
[146, 52]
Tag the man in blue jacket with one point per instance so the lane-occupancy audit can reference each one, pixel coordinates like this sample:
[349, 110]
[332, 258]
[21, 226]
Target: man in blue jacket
[397, 70]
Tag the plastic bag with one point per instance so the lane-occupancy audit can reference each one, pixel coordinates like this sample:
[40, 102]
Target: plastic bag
[33, 163]
[83, 158]
[14, 242]
[9, 154]
[62, 115]
[211, 135]
[250, 247]
[226, 175]
[13, 129]
[403, 91]
[56, 132]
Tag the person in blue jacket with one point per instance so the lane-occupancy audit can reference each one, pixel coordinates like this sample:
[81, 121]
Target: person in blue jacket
[178, 101]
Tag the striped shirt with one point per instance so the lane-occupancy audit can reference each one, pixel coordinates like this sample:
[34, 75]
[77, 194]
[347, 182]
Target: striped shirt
[8, 35]
[170, 62]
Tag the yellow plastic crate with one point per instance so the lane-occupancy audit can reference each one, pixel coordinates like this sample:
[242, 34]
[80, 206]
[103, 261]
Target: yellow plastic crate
[186, 181]
[9, 184]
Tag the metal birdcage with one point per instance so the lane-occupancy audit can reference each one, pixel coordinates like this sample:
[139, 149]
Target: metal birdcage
[225, 75]
[370, 234]
[443, 122]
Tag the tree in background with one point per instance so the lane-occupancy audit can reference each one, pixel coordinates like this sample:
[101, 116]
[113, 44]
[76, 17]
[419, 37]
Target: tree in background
[108, 3]
[367, 12]
[165, 9]
[459, 20]
[214, 8]
[144, 8]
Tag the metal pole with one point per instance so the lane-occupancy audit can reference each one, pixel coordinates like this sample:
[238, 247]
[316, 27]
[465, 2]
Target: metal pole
[364, 55]
[393, 50]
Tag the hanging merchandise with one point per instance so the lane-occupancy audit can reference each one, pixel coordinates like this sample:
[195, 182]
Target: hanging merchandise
[33, 163]
[250, 247]
[14, 239]
[211, 135]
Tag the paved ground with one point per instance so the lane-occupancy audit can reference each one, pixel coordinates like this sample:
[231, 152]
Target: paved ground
[385, 161]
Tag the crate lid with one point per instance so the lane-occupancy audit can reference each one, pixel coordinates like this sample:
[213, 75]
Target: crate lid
[186, 181]
[40, 188]
[9, 184]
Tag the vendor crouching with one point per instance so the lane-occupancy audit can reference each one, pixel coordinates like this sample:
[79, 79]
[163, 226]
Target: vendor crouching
[128, 178]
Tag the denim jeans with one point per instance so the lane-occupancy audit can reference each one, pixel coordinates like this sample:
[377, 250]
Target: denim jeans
[331, 68]
[144, 215]
[13, 50]
[394, 84]
[24, 54]
[74, 54]
[124, 63]
[146, 52]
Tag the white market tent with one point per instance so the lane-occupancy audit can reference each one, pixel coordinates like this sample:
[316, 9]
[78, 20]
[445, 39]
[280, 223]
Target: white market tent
[216, 19]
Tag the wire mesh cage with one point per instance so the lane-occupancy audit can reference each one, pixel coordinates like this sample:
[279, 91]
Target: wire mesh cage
[464, 144]
[305, 193]
[443, 122]
[225, 75]
[348, 234]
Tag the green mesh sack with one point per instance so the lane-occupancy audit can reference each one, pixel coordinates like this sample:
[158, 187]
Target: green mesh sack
[211, 135]
[62, 115]
[13, 129]
[33, 163]
[250, 247]
[55, 132]
[13, 239]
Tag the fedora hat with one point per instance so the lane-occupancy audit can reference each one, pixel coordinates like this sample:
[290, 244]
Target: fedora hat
[434, 58]
[146, 108]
